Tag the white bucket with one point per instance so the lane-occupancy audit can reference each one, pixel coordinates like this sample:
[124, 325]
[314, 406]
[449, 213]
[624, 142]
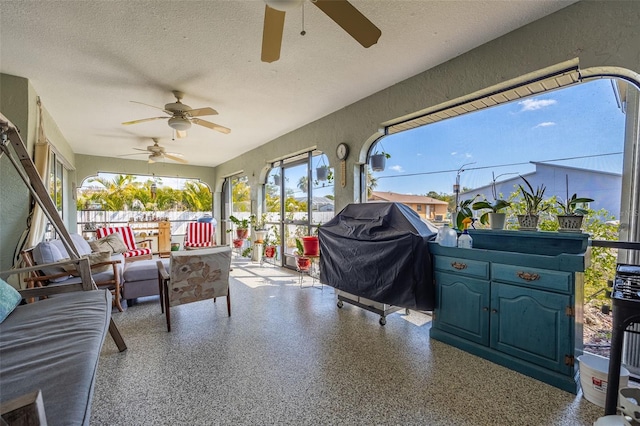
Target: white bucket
[594, 375]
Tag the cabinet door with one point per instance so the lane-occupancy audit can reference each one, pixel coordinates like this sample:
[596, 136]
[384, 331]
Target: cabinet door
[531, 325]
[462, 307]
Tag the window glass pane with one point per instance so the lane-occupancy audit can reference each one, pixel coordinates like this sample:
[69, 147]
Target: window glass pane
[322, 202]
[296, 190]
[575, 134]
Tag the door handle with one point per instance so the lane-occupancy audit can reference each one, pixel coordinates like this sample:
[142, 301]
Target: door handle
[527, 276]
[459, 266]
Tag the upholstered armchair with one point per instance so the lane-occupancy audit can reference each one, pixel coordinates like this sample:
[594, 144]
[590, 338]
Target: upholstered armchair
[199, 235]
[194, 276]
[133, 251]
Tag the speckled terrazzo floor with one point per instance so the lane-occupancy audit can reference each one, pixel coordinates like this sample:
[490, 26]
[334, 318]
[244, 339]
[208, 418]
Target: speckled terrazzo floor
[289, 356]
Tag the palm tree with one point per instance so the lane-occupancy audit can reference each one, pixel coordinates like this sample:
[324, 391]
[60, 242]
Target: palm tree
[197, 196]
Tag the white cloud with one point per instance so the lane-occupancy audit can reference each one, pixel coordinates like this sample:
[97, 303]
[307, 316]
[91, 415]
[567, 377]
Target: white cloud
[546, 124]
[454, 153]
[397, 168]
[534, 104]
[467, 155]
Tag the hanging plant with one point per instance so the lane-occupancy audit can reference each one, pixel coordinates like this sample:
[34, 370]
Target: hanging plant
[378, 159]
[322, 171]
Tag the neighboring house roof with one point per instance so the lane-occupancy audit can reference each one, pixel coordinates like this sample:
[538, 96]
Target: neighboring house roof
[406, 198]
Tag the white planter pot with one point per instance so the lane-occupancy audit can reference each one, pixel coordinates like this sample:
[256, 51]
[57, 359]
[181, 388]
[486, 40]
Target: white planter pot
[528, 222]
[496, 220]
[260, 235]
[570, 223]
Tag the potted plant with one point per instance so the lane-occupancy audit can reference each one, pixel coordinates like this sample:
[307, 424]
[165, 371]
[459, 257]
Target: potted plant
[259, 228]
[271, 244]
[242, 226]
[571, 219]
[495, 218]
[303, 262]
[269, 247]
[378, 161]
[534, 204]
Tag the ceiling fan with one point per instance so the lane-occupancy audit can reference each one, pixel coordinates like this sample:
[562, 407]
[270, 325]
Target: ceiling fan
[180, 116]
[341, 12]
[157, 152]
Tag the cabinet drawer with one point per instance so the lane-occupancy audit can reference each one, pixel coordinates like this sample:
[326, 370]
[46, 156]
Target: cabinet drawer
[470, 268]
[532, 277]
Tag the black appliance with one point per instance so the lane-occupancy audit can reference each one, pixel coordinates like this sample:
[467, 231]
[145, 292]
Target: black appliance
[379, 251]
[625, 302]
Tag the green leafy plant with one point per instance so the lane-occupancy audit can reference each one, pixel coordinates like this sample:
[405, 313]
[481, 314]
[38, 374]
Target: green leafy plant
[258, 224]
[464, 211]
[241, 223]
[570, 207]
[299, 247]
[533, 198]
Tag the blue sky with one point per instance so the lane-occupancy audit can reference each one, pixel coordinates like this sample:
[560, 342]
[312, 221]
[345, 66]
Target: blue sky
[579, 121]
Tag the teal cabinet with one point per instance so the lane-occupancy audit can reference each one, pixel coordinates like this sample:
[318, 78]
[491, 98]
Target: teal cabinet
[515, 309]
[531, 325]
[462, 307]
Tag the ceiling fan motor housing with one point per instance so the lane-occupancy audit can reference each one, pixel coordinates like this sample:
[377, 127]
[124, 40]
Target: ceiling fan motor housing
[179, 123]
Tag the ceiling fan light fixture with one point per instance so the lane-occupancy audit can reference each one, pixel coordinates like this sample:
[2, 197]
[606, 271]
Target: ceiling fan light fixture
[179, 123]
[284, 5]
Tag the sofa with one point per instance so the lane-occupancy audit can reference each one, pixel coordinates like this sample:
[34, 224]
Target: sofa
[53, 346]
[134, 279]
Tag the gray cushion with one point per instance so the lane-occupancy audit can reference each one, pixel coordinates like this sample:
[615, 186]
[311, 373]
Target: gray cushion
[38, 351]
[143, 270]
[48, 252]
[81, 244]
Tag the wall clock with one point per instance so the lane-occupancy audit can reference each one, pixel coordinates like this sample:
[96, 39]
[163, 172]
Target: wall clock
[342, 151]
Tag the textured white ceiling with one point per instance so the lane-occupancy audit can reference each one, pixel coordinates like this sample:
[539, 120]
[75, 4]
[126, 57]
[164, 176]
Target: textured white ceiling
[88, 59]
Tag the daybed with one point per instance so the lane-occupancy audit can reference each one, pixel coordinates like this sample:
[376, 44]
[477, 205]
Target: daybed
[53, 345]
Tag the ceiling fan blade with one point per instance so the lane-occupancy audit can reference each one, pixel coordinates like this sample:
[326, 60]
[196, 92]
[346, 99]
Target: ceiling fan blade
[136, 153]
[351, 20]
[199, 112]
[140, 149]
[153, 106]
[181, 134]
[144, 120]
[174, 158]
[272, 34]
[211, 125]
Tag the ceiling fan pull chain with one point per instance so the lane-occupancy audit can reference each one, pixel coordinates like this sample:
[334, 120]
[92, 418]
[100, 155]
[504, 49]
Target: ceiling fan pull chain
[303, 32]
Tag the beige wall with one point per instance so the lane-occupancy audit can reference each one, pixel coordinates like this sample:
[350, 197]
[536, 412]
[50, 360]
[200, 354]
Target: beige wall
[597, 33]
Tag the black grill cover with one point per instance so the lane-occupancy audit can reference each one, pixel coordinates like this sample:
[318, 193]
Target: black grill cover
[379, 251]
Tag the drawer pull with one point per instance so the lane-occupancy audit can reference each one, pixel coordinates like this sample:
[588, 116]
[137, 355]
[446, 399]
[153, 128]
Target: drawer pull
[528, 276]
[459, 266]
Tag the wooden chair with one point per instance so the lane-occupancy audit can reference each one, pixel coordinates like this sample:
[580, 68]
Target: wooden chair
[40, 278]
[199, 235]
[134, 252]
[194, 276]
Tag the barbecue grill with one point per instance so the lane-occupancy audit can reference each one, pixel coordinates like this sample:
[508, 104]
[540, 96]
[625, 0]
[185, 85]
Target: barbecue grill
[625, 301]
